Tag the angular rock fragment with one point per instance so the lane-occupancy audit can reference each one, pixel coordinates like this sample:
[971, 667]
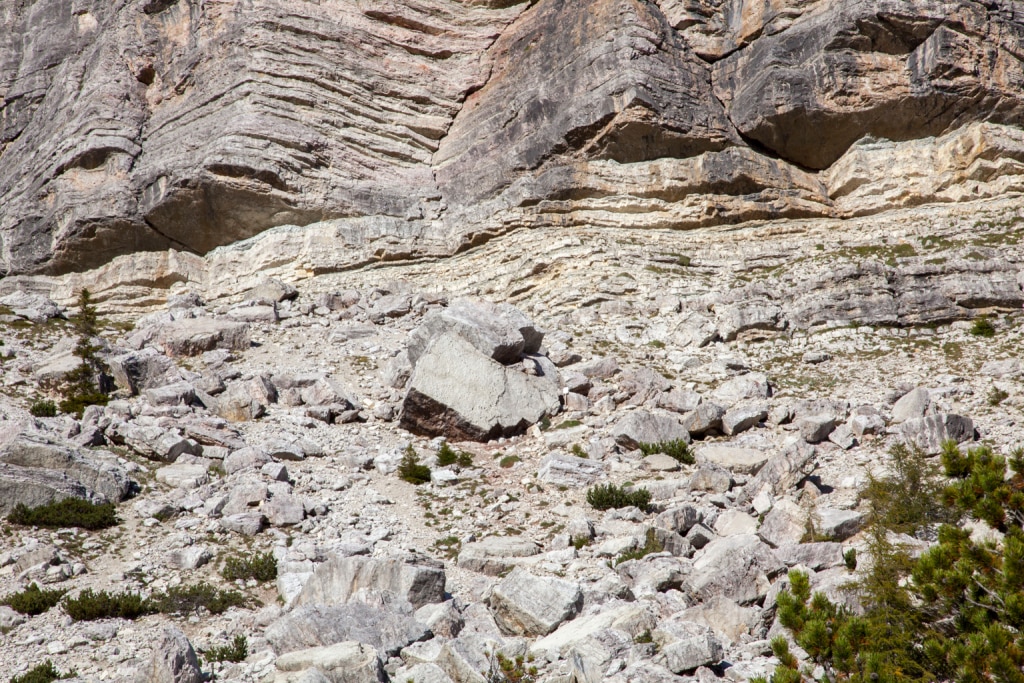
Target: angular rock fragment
[528, 605]
[645, 427]
[417, 580]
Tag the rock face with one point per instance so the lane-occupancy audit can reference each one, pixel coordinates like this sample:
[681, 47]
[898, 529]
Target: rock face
[418, 128]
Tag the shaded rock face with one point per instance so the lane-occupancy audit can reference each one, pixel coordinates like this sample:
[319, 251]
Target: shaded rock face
[416, 128]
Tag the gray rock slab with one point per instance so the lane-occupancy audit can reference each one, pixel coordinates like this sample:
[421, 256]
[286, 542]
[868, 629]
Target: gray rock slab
[528, 605]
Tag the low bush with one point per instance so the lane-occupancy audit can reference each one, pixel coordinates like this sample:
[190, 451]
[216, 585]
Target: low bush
[43, 673]
[608, 496]
[237, 651]
[261, 566]
[33, 600]
[184, 600]
[43, 409]
[61, 514]
[508, 461]
[89, 606]
[410, 469]
[676, 449]
[983, 327]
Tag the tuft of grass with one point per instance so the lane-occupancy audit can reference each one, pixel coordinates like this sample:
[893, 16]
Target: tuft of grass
[33, 600]
[509, 460]
[567, 424]
[449, 545]
[997, 396]
[45, 408]
[677, 449]
[237, 651]
[983, 327]
[608, 496]
[43, 673]
[581, 542]
[411, 470]
[62, 514]
[651, 545]
[578, 451]
[644, 637]
[261, 566]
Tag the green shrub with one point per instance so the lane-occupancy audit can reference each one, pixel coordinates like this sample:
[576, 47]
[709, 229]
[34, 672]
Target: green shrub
[608, 496]
[644, 637]
[184, 600]
[43, 673]
[581, 542]
[465, 459]
[89, 606]
[512, 670]
[446, 455]
[578, 451]
[850, 559]
[237, 651]
[983, 327]
[676, 449]
[997, 396]
[261, 566]
[651, 545]
[567, 424]
[70, 512]
[83, 385]
[33, 600]
[43, 409]
[410, 469]
[508, 461]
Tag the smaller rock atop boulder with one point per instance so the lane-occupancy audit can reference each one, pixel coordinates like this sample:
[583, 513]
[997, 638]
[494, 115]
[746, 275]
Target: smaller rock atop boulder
[528, 605]
[495, 554]
[499, 331]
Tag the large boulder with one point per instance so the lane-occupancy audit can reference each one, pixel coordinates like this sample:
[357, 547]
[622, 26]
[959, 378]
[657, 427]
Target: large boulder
[346, 662]
[646, 427]
[929, 433]
[173, 660]
[740, 568]
[387, 626]
[528, 605]
[36, 469]
[193, 336]
[460, 393]
[495, 554]
[415, 579]
[137, 371]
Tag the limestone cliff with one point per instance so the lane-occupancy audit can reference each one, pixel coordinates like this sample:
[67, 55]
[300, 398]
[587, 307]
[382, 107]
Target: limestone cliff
[426, 125]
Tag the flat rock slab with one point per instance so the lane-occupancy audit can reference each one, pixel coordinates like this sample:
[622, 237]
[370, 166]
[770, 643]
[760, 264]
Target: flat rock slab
[495, 554]
[387, 628]
[193, 336]
[347, 662]
[181, 476]
[568, 470]
[528, 605]
[735, 458]
[642, 426]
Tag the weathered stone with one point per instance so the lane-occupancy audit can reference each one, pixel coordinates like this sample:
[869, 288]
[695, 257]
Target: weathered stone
[568, 470]
[284, 510]
[528, 605]
[183, 476]
[838, 525]
[388, 627]
[730, 621]
[734, 522]
[928, 433]
[659, 462]
[705, 419]
[645, 427]
[418, 580]
[272, 290]
[499, 331]
[743, 417]
[345, 662]
[786, 523]
[679, 519]
[190, 558]
[815, 428]
[686, 645]
[173, 660]
[495, 554]
[193, 336]
[814, 556]
[738, 567]
[245, 523]
[31, 306]
[178, 393]
[36, 469]
[459, 393]
[734, 458]
[912, 405]
[245, 458]
[137, 371]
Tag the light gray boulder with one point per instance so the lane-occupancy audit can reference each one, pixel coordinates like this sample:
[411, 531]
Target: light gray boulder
[192, 557]
[740, 418]
[284, 510]
[928, 433]
[495, 554]
[193, 336]
[183, 476]
[31, 306]
[814, 556]
[499, 331]
[679, 519]
[173, 660]
[783, 471]
[686, 645]
[528, 605]
[647, 427]
[568, 470]
[36, 469]
[174, 394]
[416, 579]
[704, 420]
[245, 523]
[734, 458]
[815, 428]
[387, 626]
[838, 525]
[740, 568]
[912, 405]
[784, 524]
[458, 392]
[346, 662]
